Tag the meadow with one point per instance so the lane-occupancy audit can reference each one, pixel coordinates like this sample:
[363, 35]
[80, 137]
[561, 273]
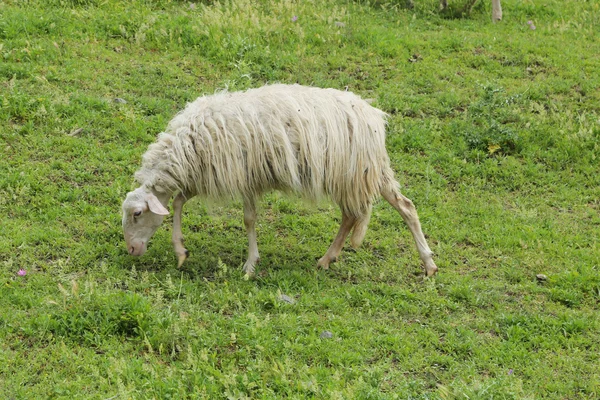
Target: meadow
[494, 133]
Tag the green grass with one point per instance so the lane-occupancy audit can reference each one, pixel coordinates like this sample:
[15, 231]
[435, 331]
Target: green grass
[494, 133]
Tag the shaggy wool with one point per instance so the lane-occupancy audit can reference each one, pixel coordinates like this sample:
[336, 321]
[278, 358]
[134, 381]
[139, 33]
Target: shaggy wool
[310, 141]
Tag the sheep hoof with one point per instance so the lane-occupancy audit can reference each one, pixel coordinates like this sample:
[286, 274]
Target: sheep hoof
[181, 259]
[249, 269]
[324, 262]
[430, 270]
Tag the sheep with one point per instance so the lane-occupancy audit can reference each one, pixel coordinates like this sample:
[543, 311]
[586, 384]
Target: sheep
[317, 143]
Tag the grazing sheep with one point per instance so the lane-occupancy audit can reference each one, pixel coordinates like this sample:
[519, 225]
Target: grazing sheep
[310, 141]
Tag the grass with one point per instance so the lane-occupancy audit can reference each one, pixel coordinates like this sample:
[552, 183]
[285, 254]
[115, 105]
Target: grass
[494, 133]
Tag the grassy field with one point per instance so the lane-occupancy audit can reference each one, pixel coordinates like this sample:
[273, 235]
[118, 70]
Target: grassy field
[494, 133]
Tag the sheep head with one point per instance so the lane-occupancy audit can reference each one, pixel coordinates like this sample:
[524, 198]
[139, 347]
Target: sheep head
[143, 212]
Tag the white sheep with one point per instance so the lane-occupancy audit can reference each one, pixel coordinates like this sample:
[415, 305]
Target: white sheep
[310, 141]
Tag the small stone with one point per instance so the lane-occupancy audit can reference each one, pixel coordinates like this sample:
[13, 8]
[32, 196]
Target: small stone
[340, 24]
[415, 57]
[120, 100]
[326, 335]
[76, 132]
[541, 277]
[286, 298]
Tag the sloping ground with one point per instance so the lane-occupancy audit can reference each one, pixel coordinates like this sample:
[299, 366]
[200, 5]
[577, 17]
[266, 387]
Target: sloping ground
[494, 133]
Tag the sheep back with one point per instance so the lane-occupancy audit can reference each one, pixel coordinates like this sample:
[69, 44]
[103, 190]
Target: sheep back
[311, 141]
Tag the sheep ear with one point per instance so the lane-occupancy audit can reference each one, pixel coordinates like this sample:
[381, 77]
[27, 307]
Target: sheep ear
[155, 206]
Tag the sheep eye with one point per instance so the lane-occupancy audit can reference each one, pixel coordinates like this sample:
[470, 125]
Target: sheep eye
[137, 213]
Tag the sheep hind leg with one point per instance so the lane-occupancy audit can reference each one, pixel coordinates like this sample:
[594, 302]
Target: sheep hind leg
[336, 247]
[177, 238]
[408, 212]
[360, 228]
[250, 223]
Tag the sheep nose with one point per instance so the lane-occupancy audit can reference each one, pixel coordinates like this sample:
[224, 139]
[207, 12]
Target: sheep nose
[137, 248]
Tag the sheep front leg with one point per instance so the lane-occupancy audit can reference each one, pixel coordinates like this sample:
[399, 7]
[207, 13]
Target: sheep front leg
[336, 247]
[496, 10]
[177, 239]
[250, 223]
[408, 212]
